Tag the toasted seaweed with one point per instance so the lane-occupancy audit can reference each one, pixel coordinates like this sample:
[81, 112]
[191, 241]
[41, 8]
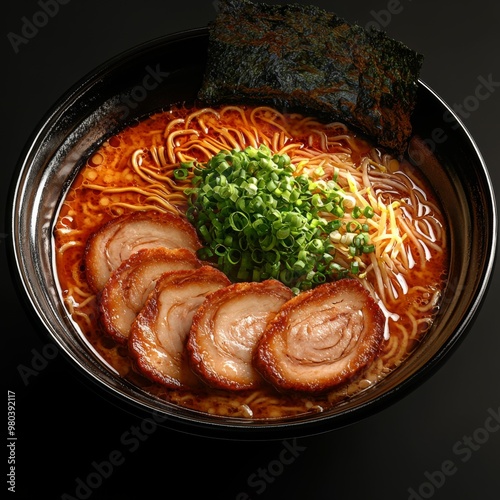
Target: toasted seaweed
[304, 58]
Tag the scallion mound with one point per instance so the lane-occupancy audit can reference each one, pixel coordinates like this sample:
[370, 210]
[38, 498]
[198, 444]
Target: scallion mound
[259, 220]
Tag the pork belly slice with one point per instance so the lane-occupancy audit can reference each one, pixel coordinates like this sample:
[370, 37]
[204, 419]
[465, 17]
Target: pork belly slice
[226, 329]
[118, 239]
[158, 336]
[321, 338]
[127, 290]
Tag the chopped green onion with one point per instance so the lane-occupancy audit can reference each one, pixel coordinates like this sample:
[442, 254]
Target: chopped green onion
[259, 220]
[368, 212]
[181, 173]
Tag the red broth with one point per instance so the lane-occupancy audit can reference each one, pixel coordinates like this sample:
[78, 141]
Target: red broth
[133, 170]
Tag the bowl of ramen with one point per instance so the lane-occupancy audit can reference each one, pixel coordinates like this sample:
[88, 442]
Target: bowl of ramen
[194, 260]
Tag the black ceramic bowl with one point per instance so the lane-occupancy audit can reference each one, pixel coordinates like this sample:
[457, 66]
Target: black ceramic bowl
[153, 76]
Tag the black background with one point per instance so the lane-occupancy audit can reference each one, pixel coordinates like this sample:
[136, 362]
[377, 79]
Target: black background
[65, 425]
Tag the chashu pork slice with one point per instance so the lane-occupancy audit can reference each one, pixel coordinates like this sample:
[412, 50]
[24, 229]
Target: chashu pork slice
[321, 338]
[158, 336]
[226, 329]
[127, 290]
[122, 236]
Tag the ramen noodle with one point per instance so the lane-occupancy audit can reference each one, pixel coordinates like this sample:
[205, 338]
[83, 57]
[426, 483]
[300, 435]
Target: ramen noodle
[138, 170]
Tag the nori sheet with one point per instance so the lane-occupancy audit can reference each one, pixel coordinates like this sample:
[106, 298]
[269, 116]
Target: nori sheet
[304, 58]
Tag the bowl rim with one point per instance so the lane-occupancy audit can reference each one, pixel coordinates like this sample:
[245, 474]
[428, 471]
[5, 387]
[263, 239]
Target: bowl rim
[240, 428]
